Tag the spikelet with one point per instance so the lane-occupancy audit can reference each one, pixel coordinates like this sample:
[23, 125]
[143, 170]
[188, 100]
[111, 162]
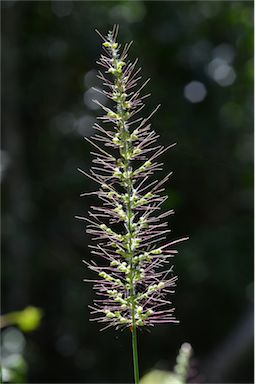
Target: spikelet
[129, 231]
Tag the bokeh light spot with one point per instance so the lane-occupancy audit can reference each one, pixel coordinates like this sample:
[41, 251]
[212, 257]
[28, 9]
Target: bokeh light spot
[195, 92]
[5, 161]
[13, 340]
[221, 72]
[91, 79]
[84, 124]
[91, 95]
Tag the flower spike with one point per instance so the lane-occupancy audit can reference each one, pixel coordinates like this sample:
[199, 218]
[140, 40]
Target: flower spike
[128, 228]
[131, 281]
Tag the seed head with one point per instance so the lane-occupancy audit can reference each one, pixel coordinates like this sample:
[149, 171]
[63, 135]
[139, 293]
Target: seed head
[128, 229]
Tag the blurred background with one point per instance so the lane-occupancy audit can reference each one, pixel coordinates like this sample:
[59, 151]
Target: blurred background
[199, 56]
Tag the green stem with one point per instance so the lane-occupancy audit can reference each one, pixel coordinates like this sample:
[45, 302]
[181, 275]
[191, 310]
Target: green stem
[130, 216]
[135, 355]
[132, 285]
[121, 109]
